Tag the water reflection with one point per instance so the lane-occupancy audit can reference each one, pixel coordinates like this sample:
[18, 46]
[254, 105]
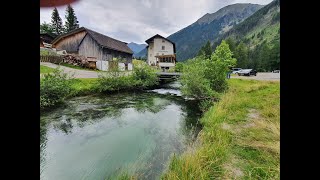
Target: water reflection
[97, 136]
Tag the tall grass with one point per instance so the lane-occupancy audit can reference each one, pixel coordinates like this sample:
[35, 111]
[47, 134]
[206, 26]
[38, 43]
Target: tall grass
[240, 137]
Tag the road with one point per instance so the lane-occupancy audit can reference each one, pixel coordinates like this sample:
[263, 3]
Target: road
[77, 72]
[269, 76]
[93, 74]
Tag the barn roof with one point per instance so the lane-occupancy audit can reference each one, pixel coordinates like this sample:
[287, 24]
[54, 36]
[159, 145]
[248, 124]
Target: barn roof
[109, 42]
[159, 36]
[102, 40]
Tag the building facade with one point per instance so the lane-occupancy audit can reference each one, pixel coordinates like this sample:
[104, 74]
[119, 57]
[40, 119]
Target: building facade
[91, 44]
[161, 52]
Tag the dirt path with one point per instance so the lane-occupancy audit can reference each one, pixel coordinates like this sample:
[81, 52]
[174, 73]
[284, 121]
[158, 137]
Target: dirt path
[77, 72]
[261, 76]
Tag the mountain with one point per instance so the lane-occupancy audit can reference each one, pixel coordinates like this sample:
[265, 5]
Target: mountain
[136, 47]
[142, 53]
[261, 27]
[259, 35]
[209, 27]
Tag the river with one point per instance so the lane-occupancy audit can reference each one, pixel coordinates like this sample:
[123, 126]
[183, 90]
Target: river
[101, 136]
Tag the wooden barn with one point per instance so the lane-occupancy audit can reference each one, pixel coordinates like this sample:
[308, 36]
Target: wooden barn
[91, 44]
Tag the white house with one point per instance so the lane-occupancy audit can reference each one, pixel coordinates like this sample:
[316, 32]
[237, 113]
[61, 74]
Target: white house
[161, 52]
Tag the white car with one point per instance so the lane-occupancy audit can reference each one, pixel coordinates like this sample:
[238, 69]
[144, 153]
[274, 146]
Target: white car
[236, 70]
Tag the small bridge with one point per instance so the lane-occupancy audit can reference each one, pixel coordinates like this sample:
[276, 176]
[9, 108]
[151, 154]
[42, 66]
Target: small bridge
[168, 75]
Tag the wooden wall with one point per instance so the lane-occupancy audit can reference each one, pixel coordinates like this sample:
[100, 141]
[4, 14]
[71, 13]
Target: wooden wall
[90, 48]
[71, 42]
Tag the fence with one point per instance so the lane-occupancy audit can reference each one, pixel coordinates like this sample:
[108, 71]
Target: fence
[51, 58]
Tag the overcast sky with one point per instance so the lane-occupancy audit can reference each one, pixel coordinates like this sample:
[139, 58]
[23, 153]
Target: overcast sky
[137, 20]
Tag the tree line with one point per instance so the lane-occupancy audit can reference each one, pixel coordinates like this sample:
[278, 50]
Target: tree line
[56, 27]
[263, 57]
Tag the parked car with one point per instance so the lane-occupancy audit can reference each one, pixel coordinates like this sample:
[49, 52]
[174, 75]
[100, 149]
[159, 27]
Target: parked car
[247, 72]
[276, 71]
[236, 70]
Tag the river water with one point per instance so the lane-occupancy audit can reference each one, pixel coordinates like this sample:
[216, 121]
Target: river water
[101, 136]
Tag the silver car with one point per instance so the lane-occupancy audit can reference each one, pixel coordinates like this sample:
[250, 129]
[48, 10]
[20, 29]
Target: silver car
[247, 72]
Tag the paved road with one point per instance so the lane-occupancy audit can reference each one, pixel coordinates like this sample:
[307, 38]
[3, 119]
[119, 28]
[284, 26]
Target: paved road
[261, 76]
[77, 72]
[92, 74]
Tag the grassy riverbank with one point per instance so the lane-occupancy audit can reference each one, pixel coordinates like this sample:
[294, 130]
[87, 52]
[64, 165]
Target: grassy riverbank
[57, 86]
[240, 137]
[45, 69]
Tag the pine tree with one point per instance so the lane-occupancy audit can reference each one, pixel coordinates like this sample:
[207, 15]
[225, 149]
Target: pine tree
[232, 44]
[206, 50]
[46, 28]
[56, 22]
[71, 19]
[275, 56]
[241, 54]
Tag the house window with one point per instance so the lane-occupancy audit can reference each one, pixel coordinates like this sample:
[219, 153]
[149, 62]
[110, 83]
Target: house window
[163, 48]
[163, 41]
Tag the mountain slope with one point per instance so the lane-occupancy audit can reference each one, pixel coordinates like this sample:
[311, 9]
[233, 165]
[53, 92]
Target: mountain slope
[262, 26]
[190, 39]
[142, 53]
[259, 38]
[136, 48]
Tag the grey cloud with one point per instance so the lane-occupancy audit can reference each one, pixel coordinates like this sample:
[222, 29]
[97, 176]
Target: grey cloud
[137, 20]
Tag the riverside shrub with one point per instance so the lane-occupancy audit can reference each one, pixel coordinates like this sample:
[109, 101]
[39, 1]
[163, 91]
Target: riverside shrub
[54, 87]
[205, 77]
[145, 76]
[142, 77]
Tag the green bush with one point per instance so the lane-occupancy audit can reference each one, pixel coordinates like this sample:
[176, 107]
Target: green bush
[113, 80]
[204, 78]
[179, 67]
[54, 87]
[142, 77]
[193, 81]
[112, 83]
[145, 75]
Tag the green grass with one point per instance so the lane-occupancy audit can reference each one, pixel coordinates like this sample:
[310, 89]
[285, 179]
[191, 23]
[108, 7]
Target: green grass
[76, 67]
[45, 69]
[240, 137]
[83, 86]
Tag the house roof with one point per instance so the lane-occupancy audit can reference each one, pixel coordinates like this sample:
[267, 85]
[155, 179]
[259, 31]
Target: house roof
[109, 42]
[159, 36]
[102, 40]
[58, 38]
